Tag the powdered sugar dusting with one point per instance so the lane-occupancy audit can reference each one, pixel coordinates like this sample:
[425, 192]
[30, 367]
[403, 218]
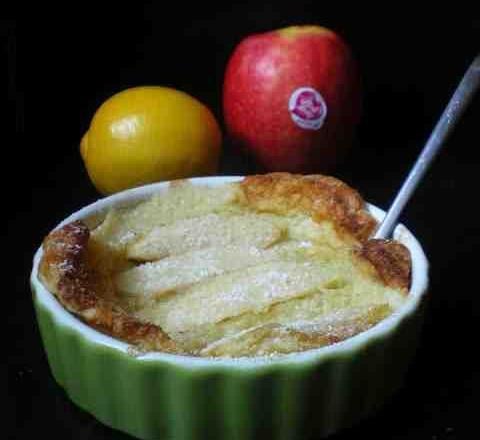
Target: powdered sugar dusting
[250, 290]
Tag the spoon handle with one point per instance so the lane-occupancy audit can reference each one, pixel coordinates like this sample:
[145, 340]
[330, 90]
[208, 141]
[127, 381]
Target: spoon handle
[450, 116]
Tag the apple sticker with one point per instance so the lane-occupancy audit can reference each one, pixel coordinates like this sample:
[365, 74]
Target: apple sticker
[307, 108]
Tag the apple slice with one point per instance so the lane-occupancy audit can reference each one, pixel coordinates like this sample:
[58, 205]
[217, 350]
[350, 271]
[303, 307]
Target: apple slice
[347, 289]
[281, 339]
[154, 279]
[212, 230]
[249, 290]
[122, 227]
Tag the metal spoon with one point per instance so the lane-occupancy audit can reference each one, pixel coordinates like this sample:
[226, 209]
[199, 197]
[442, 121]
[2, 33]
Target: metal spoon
[450, 116]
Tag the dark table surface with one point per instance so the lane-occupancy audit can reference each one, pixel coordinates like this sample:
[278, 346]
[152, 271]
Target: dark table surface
[409, 69]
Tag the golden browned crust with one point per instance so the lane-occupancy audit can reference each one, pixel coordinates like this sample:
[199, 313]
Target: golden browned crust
[321, 197]
[66, 272]
[325, 197]
[391, 260]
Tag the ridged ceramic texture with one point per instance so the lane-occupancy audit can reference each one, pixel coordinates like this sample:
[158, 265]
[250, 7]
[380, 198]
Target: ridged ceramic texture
[160, 396]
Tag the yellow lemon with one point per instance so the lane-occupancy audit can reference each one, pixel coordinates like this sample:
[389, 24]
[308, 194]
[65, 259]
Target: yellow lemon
[149, 134]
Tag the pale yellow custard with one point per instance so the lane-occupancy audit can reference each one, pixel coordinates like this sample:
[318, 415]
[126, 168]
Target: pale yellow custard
[272, 265]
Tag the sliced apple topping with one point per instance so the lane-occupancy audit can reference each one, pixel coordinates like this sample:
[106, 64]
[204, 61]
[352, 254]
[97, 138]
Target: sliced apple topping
[273, 265]
[154, 279]
[276, 338]
[123, 226]
[248, 290]
[339, 293]
[212, 230]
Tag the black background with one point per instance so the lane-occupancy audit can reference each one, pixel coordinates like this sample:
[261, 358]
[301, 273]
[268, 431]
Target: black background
[410, 66]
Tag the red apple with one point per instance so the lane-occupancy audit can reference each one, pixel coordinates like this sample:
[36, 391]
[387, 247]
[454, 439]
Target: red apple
[291, 97]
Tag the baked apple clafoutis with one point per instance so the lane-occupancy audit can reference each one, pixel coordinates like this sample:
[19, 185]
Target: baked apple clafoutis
[274, 264]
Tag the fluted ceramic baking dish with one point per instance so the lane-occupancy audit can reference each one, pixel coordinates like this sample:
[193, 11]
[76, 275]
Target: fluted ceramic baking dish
[166, 396]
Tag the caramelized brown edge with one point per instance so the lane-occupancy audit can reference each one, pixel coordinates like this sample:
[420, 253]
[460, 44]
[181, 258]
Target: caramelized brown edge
[391, 261]
[321, 197]
[65, 270]
[325, 197]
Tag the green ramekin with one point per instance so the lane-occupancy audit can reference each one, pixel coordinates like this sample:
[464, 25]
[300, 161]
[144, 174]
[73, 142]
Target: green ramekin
[163, 396]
